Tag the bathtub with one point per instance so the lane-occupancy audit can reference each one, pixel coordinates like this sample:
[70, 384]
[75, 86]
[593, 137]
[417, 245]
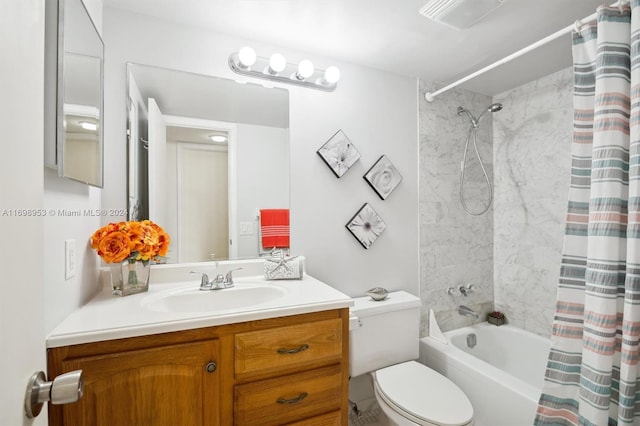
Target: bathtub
[502, 374]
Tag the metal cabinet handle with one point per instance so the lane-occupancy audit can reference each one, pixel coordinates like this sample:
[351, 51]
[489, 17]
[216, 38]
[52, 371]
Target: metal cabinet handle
[295, 400]
[211, 367]
[299, 349]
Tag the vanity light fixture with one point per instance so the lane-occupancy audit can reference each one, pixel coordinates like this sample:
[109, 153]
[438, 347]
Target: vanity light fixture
[276, 68]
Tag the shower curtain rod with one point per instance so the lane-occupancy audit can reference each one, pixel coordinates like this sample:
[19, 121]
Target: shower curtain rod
[429, 96]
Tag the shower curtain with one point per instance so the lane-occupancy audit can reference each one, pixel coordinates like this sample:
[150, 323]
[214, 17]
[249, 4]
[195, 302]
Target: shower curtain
[592, 375]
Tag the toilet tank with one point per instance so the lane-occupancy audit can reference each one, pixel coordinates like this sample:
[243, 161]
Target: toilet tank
[383, 333]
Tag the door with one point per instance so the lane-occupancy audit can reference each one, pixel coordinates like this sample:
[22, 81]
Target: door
[203, 206]
[157, 165]
[21, 172]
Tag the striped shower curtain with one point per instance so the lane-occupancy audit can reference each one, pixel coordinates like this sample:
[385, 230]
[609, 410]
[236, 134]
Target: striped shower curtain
[592, 375]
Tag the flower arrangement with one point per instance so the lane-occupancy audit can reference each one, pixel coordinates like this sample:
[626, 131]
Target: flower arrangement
[137, 243]
[133, 241]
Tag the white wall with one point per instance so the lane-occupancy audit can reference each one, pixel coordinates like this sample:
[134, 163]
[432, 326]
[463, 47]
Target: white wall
[263, 149]
[377, 110]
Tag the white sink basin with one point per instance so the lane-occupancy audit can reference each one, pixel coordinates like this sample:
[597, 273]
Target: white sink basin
[194, 300]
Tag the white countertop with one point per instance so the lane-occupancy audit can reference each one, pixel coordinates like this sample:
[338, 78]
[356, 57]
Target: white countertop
[108, 317]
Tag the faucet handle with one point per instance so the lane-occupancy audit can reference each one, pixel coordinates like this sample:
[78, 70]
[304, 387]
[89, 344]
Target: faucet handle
[464, 290]
[205, 283]
[228, 278]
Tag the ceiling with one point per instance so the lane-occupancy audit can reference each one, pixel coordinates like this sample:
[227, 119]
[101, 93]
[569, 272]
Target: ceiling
[391, 35]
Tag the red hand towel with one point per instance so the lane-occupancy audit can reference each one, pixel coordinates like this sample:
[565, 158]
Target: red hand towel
[274, 225]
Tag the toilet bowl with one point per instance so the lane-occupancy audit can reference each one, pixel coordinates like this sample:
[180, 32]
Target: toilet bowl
[413, 394]
[384, 339]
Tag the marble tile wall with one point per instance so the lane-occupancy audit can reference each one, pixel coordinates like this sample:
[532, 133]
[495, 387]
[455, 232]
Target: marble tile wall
[526, 148]
[455, 248]
[531, 150]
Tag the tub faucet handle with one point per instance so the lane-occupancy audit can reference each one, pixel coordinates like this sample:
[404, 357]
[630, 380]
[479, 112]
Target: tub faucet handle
[464, 290]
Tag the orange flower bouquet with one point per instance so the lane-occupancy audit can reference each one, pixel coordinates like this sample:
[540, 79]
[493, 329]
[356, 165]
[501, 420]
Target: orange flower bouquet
[129, 247]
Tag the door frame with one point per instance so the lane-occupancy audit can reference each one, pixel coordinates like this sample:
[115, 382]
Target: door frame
[231, 129]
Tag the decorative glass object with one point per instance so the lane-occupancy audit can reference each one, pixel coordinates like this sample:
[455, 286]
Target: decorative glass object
[129, 277]
[496, 318]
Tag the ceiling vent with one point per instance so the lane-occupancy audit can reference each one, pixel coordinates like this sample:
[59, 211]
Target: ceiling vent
[459, 14]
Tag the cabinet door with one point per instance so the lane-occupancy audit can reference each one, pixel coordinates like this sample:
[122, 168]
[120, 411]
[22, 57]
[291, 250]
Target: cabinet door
[170, 385]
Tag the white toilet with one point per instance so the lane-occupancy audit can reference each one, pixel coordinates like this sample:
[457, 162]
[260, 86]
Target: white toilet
[384, 341]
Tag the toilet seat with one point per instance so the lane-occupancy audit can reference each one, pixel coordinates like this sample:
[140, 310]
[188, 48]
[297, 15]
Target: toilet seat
[423, 395]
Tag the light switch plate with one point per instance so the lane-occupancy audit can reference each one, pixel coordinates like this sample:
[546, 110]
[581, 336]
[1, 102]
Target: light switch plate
[246, 228]
[69, 258]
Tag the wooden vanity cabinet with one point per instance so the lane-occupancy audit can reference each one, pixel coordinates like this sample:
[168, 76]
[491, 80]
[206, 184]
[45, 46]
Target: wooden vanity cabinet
[286, 370]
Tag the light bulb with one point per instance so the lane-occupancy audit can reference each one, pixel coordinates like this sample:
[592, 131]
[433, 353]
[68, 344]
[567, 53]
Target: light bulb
[218, 138]
[332, 75]
[277, 63]
[247, 56]
[305, 69]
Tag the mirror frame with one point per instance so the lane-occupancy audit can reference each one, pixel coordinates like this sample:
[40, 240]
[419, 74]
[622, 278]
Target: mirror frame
[54, 156]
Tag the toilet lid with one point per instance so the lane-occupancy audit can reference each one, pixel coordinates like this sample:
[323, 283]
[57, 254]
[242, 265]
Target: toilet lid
[424, 394]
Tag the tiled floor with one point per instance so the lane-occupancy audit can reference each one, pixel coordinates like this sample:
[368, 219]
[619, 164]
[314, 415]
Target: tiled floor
[370, 415]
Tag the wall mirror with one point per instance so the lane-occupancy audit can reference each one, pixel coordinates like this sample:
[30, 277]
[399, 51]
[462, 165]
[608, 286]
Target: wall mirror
[78, 72]
[205, 156]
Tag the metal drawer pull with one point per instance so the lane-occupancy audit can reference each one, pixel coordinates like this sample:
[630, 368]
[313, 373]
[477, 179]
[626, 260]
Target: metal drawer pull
[294, 350]
[295, 400]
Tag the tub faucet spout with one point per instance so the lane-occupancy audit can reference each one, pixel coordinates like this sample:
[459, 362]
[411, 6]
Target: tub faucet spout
[465, 311]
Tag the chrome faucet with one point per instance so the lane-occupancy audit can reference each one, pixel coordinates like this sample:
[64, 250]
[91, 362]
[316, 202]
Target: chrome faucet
[465, 311]
[218, 283]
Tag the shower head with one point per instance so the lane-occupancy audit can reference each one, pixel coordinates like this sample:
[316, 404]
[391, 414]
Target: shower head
[491, 108]
[475, 121]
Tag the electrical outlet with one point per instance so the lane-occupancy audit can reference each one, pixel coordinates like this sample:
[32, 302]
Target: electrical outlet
[69, 258]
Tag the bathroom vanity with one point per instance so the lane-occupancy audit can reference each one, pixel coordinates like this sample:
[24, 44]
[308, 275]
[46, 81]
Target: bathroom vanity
[283, 361]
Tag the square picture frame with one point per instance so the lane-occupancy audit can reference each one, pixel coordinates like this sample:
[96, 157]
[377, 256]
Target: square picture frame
[339, 153]
[366, 225]
[383, 177]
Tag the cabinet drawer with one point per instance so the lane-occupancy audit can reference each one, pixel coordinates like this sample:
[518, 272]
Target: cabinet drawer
[330, 419]
[288, 398]
[288, 348]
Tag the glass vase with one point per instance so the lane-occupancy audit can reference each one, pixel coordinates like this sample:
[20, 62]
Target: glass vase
[129, 277]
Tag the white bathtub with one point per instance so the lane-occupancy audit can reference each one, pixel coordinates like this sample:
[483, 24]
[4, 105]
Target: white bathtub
[502, 375]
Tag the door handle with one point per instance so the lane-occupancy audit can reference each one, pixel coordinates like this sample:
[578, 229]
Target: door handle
[64, 389]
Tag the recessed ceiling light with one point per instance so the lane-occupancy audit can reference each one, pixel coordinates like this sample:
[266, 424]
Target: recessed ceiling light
[87, 125]
[218, 138]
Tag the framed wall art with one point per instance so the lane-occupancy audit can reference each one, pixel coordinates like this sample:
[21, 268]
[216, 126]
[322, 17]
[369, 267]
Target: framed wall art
[366, 225]
[339, 153]
[383, 177]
